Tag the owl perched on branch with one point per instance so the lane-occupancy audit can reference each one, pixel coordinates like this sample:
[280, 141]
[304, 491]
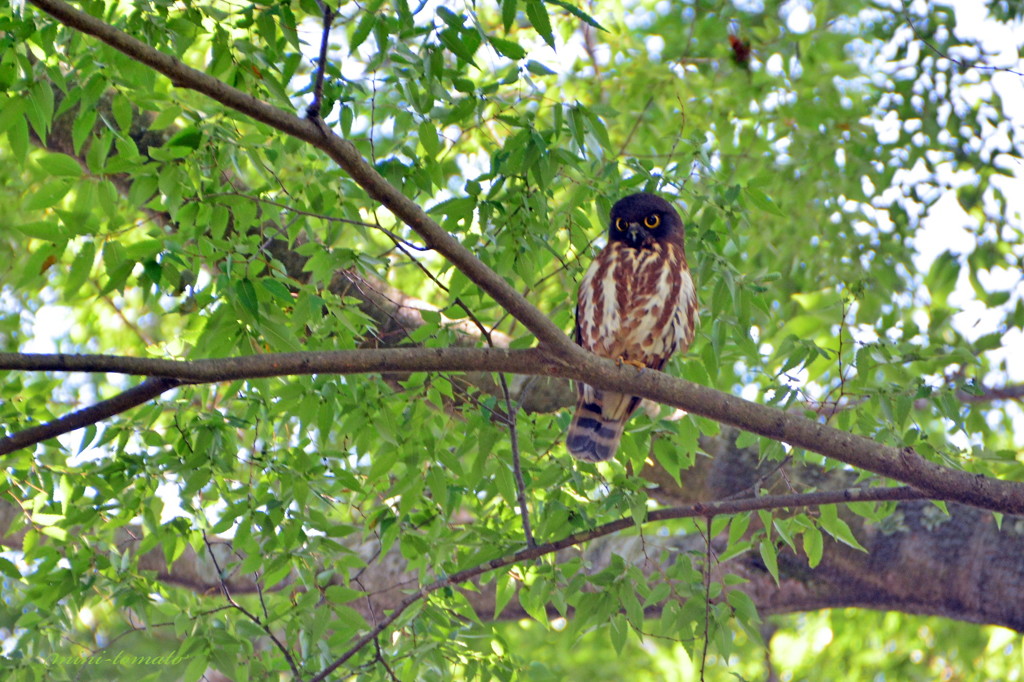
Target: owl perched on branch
[637, 305]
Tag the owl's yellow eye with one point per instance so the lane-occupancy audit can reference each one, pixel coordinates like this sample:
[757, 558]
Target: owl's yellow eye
[652, 221]
[620, 224]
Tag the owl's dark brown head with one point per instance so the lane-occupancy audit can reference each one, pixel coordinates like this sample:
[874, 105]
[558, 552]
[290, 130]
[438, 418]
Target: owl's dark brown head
[641, 220]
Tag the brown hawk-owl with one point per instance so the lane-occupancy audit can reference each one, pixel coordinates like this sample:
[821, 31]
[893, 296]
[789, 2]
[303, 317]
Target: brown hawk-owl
[636, 304]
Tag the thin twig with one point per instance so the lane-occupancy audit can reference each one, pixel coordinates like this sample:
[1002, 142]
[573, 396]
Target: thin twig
[513, 432]
[636, 124]
[959, 62]
[517, 468]
[380, 659]
[707, 596]
[319, 216]
[590, 46]
[313, 110]
[238, 607]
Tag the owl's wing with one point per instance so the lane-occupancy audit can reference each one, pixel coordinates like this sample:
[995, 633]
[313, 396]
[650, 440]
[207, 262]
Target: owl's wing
[635, 308]
[600, 416]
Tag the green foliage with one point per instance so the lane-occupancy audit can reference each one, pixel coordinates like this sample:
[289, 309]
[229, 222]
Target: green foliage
[143, 219]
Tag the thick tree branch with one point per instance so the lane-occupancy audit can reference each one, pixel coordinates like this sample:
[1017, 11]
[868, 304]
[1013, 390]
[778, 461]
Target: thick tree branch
[902, 464]
[361, 361]
[167, 374]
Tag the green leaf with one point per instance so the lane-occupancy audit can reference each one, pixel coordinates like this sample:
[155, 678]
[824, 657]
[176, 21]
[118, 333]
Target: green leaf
[460, 43]
[618, 631]
[942, 277]
[745, 608]
[576, 12]
[538, 69]
[533, 599]
[47, 230]
[17, 136]
[430, 139]
[245, 292]
[9, 569]
[813, 546]
[47, 195]
[39, 110]
[122, 110]
[836, 527]
[82, 128]
[762, 201]
[188, 137]
[505, 587]
[770, 558]
[508, 14]
[12, 109]
[343, 595]
[507, 48]
[362, 32]
[81, 266]
[738, 527]
[538, 16]
[41, 519]
[449, 17]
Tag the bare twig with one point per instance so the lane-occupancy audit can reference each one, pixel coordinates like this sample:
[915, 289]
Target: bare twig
[244, 611]
[380, 659]
[319, 216]
[517, 468]
[511, 412]
[313, 110]
[636, 124]
[707, 595]
[959, 62]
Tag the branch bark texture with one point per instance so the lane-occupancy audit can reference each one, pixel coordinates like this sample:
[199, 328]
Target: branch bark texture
[903, 465]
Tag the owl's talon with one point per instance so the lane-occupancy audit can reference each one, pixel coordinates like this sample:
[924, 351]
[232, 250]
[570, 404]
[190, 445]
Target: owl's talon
[636, 363]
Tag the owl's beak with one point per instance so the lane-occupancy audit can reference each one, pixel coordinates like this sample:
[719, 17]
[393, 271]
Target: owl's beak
[635, 234]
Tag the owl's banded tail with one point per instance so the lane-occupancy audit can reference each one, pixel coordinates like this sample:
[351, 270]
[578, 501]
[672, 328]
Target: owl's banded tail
[592, 437]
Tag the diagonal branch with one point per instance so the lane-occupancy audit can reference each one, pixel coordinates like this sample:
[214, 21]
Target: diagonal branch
[705, 510]
[133, 397]
[341, 151]
[903, 464]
